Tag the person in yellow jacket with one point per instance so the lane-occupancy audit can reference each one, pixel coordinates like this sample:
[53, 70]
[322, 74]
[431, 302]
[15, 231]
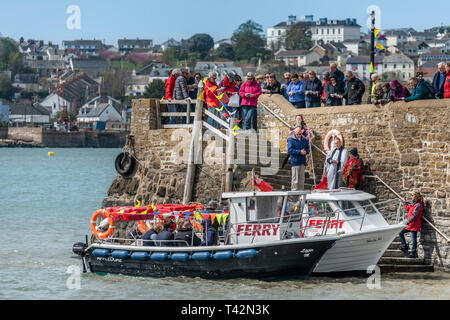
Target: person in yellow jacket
[373, 94]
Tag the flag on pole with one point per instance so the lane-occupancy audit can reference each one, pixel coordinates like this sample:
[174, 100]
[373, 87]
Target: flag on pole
[380, 47]
[261, 184]
[376, 31]
[372, 69]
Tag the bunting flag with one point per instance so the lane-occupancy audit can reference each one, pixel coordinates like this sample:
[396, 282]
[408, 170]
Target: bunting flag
[187, 215]
[219, 109]
[372, 69]
[235, 130]
[202, 96]
[213, 217]
[380, 47]
[226, 115]
[162, 98]
[198, 216]
[376, 31]
[138, 203]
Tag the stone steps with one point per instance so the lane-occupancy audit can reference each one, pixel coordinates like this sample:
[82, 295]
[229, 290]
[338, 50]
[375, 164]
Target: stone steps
[394, 260]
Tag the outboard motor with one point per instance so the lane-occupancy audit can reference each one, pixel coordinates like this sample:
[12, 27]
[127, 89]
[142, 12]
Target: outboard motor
[78, 248]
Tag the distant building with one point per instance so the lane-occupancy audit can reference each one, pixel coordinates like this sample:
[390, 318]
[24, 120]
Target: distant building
[127, 45]
[298, 58]
[76, 89]
[136, 84]
[101, 108]
[170, 43]
[220, 67]
[223, 41]
[160, 71]
[93, 67]
[26, 82]
[402, 65]
[25, 111]
[4, 111]
[360, 66]
[396, 37]
[85, 47]
[435, 55]
[413, 48]
[443, 45]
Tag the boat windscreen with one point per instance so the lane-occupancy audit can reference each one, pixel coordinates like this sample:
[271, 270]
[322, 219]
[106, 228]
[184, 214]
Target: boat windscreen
[319, 209]
[349, 208]
[368, 207]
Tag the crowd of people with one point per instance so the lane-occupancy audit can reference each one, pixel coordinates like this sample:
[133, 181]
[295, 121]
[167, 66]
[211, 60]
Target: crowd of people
[239, 97]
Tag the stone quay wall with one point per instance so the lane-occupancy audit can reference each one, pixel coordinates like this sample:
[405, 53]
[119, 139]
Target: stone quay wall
[405, 144]
[57, 139]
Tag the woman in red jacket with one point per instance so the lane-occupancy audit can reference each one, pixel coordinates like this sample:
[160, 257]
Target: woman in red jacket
[414, 220]
[211, 92]
[447, 82]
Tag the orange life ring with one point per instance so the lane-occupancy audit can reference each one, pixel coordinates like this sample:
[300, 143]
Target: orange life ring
[331, 133]
[112, 224]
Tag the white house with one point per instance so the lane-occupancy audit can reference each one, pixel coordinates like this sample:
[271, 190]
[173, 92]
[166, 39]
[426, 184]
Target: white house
[399, 63]
[101, 108]
[298, 58]
[335, 30]
[136, 84]
[396, 37]
[360, 66]
[54, 103]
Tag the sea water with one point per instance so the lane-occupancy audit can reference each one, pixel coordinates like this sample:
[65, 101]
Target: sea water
[46, 203]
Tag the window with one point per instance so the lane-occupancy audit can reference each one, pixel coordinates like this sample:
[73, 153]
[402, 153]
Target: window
[319, 209]
[404, 66]
[368, 207]
[349, 208]
[264, 208]
[395, 66]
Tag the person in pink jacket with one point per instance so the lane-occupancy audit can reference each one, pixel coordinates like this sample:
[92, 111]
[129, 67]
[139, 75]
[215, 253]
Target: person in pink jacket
[250, 90]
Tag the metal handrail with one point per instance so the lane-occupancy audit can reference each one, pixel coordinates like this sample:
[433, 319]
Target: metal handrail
[134, 241]
[401, 198]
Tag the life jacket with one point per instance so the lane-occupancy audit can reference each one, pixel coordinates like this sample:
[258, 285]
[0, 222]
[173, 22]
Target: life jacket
[416, 224]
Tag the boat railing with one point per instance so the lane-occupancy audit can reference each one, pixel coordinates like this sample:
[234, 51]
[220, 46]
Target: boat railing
[140, 242]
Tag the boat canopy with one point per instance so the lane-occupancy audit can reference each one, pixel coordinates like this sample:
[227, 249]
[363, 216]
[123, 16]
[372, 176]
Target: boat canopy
[339, 195]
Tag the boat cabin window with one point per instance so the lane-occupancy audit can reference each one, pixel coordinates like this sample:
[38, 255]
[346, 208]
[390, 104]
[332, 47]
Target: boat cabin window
[319, 209]
[264, 208]
[349, 208]
[368, 207]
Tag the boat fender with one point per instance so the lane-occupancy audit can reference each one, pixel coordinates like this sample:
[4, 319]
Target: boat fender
[120, 254]
[101, 253]
[223, 255]
[180, 256]
[246, 254]
[159, 256]
[143, 256]
[201, 256]
[125, 164]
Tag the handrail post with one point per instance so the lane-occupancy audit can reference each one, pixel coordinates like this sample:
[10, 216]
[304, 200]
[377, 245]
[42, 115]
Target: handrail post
[230, 157]
[195, 149]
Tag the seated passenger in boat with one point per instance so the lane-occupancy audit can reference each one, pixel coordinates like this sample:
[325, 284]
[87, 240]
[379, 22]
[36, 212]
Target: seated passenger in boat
[169, 221]
[210, 233]
[165, 234]
[151, 234]
[187, 234]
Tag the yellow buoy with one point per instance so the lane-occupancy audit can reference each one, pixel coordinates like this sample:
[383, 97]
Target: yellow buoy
[51, 153]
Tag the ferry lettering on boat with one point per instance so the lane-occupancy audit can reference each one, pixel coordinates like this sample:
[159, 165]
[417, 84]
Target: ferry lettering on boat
[250, 230]
[322, 223]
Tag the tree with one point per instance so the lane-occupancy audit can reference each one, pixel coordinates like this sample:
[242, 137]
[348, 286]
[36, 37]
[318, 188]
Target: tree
[7, 47]
[154, 89]
[200, 43]
[248, 42]
[170, 56]
[6, 88]
[224, 51]
[298, 37]
[114, 82]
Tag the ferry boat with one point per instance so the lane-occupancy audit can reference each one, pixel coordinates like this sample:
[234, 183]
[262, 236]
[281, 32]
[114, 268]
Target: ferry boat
[364, 233]
[259, 240]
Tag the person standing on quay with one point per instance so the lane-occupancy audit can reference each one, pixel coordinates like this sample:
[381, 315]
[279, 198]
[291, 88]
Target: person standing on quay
[250, 91]
[313, 90]
[296, 92]
[414, 220]
[298, 148]
[169, 90]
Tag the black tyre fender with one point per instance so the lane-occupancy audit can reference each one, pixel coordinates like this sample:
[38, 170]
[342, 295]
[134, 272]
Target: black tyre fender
[125, 164]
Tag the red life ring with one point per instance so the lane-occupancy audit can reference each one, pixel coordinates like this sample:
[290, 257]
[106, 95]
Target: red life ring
[331, 133]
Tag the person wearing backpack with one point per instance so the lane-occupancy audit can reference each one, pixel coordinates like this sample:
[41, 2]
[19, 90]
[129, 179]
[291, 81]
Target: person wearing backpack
[421, 90]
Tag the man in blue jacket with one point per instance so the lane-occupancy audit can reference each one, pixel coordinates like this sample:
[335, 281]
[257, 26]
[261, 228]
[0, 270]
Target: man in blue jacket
[439, 81]
[296, 92]
[298, 148]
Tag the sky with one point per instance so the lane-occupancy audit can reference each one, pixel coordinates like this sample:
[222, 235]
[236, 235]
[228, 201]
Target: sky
[159, 20]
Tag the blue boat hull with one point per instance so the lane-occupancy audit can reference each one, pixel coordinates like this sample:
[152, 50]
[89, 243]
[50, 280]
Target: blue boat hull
[287, 259]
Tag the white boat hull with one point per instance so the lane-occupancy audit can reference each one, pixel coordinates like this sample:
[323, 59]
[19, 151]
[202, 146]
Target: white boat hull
[357, 251]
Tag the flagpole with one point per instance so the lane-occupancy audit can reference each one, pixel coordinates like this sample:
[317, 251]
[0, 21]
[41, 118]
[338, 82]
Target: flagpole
[372, 50]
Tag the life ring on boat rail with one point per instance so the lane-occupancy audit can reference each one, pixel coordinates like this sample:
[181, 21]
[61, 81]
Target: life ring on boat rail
[326, 141]
[125, 164]
[112, 224]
